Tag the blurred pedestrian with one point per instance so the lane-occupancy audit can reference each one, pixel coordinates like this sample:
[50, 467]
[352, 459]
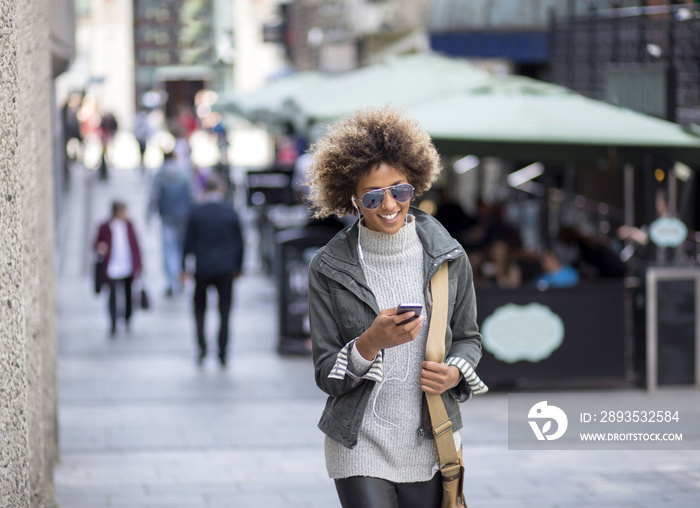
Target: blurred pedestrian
[118, 244]
[72, 138]
[286, 148]
[640, 250]
[187, 120]
[71, 126]
[555, 273]
[108, 129]
[219, 130]
[142, 132]
[501, 266]
[182, 146]
[183, 156]
[199, 177]
[366, 357]
[172, 198]
[215, 239]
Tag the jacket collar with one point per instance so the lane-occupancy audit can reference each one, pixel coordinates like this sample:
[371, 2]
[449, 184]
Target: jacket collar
[437, 242]
[341, 251]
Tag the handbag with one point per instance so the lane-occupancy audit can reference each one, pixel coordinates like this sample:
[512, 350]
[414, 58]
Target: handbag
[140, 294]
[145, 302]
[450, 461]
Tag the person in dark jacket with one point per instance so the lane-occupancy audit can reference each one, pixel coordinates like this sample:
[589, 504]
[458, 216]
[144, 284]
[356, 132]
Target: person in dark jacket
[367, 358]
[215, 240]
[118, 245]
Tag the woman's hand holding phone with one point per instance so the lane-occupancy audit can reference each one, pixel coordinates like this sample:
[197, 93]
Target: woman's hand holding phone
[388, 329]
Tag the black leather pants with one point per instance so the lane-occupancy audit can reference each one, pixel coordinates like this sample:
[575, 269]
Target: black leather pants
[366, 492]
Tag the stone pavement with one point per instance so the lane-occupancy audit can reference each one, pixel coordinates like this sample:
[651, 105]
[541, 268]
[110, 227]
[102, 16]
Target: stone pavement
[141, 425]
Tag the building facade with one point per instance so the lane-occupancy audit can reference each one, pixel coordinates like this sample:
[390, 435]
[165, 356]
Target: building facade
[645, 56]
[346, 34]
[255, 59]
[642, 56]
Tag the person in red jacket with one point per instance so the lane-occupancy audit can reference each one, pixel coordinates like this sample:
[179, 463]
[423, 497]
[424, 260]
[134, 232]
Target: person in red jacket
[118, 245]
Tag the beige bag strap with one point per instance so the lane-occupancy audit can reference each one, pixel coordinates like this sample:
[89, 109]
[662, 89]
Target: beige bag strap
[435, 352]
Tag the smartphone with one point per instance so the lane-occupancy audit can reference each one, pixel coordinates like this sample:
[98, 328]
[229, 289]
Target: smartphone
[407, 307]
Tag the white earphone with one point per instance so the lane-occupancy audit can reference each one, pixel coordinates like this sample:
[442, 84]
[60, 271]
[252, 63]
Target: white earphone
[359, 214]
[352, 199]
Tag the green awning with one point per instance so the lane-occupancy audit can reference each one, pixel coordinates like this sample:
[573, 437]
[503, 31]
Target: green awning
[469, 111]
[399, 80]
[266, 104]
[519, 117]
[309, 98]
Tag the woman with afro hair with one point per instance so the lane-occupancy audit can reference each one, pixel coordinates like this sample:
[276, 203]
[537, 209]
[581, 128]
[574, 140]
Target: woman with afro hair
[367, 358]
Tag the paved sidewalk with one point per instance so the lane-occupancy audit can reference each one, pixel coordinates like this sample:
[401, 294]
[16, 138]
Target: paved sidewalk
[141, 425]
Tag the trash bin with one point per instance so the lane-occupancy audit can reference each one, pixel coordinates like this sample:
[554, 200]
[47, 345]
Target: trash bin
[270, 193]
[295, 248]
[271, 186]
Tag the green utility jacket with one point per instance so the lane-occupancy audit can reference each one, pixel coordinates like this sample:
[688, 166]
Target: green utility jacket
[342, 306]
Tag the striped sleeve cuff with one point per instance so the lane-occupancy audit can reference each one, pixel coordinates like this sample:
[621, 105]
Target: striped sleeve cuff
[476, 385]
[350, 360]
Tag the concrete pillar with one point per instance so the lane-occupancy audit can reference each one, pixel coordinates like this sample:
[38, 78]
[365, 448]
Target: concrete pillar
[14, 434]
[28, 445]
[36, 165]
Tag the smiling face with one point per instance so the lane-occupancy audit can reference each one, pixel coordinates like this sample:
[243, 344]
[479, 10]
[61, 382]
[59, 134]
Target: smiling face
[390, 215]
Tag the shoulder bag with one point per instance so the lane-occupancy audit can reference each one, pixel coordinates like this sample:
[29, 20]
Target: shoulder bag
[450, 460]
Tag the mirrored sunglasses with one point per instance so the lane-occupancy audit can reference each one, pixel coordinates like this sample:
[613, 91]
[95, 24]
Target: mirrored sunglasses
[402, 193]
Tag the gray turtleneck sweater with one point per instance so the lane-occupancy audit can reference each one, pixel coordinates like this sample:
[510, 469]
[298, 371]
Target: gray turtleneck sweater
[389, 446]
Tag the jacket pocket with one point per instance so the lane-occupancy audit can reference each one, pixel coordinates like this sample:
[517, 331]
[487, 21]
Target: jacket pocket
[342, 416]
[352, 311]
